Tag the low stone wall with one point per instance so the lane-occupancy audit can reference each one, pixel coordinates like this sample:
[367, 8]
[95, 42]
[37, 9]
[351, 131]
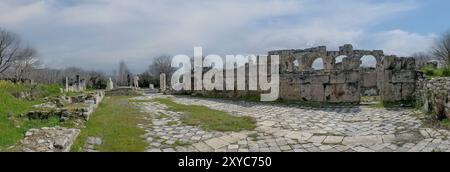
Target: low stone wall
[435, 96]
[124, 91]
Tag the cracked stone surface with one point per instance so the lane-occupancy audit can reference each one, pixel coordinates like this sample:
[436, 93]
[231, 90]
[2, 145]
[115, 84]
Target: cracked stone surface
[282, 128]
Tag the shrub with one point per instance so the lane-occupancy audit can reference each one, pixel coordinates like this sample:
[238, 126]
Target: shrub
[437, 72]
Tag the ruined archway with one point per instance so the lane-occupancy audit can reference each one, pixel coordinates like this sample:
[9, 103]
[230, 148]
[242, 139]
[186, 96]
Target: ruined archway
[296, 64]
[368, 62]
[339, 61]
[318, 64]
[369, 78]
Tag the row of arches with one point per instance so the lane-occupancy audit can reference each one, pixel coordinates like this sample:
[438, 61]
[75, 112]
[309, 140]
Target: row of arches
[367, 61]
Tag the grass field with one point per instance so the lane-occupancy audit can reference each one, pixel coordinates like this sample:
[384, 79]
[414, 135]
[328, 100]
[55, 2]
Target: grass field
[11, 131]
[115, 121]
[209, 119]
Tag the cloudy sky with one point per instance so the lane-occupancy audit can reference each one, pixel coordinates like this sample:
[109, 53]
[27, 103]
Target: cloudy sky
[97, 34]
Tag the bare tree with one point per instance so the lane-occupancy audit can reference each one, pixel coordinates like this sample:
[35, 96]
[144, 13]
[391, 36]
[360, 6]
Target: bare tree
[97, 80]
[10, 49]
[47, 75]
[161, 64]
[422, 58]
[25, 63]
[441, 49]
[123, 74]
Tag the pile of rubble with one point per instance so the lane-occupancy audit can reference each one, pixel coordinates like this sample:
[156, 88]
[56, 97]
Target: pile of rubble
[75, 109]
[66, 108]
[55, 139]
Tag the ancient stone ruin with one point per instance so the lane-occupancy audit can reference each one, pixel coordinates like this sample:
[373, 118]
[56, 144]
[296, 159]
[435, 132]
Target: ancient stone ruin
[435, 97]
[162, 82]
[55, 139]
[76, 85]
[344, 78]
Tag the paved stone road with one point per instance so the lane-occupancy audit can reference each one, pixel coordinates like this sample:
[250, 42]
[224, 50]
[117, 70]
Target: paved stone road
[283, 128]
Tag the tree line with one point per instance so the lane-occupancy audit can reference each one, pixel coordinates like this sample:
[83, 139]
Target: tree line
[20, 61]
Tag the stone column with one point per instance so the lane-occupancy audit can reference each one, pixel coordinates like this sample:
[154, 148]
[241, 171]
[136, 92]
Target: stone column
[162, 82]
[67, 84]
[78, 83]
[82, 85]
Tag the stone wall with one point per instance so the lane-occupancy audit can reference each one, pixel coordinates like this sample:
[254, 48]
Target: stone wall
[435, 97]
[320, 86]
[397, 79]
[368, 82]
[393, 78]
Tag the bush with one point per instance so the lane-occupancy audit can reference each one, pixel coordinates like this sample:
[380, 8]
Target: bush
[437, 72]
[446, 70]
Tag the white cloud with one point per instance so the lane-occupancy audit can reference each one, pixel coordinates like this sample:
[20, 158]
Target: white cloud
[99, 33]
[14, 14]
[403, 43]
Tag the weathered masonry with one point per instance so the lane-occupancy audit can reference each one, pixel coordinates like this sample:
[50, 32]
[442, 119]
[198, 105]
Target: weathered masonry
[343, 76]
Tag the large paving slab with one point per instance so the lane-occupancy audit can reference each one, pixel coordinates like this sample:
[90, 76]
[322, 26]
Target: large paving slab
[282, 128]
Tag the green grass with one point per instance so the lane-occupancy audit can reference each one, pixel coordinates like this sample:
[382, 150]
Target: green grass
[209, 119]
[115, 121]
[140, 101]
[172, 123]
[437, 72]
[181, 143]
[13, 129]
[253, 136]
[446, 123]
[161, 115]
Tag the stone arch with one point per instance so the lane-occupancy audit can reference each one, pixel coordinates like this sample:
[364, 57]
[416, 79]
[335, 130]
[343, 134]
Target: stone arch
[339, 59]
[338, 62]
[296, 65]
[311, 58]
[289, 63]
[296, 62]
[369, 75]
[368, 61]
[318, 64]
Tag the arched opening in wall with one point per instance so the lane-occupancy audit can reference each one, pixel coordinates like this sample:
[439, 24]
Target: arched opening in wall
[296, 64]
[368, 62]
[338, 62]
[318, 64]
[369, 78]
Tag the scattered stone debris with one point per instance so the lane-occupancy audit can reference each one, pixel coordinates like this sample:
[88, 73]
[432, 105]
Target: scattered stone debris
[55, 139]
[67, 108]
[91, 142]
[124, 91]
